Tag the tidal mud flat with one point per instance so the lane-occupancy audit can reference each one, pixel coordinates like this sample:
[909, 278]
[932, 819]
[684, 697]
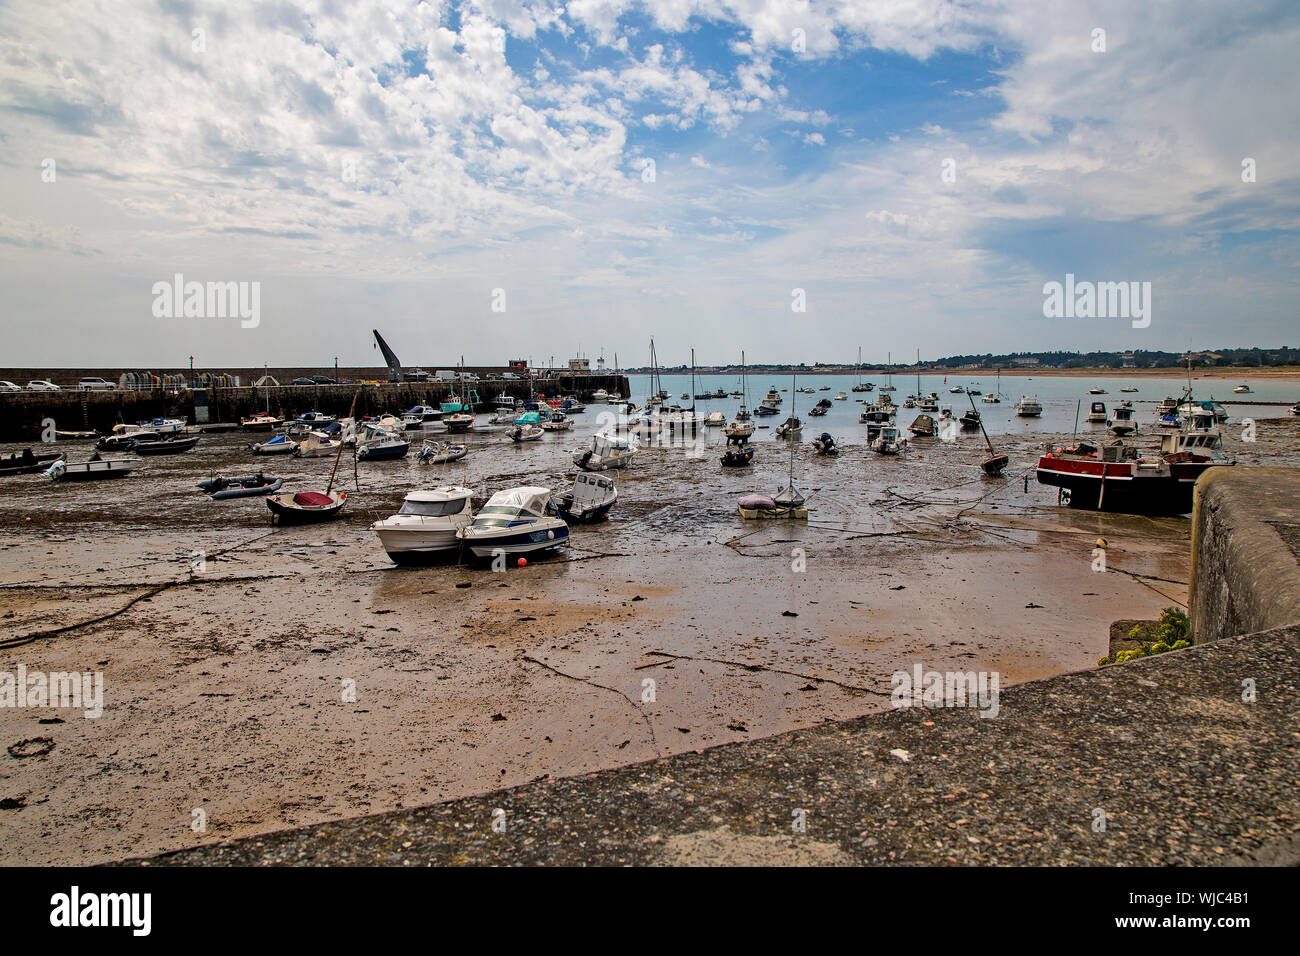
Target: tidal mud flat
[231, 650]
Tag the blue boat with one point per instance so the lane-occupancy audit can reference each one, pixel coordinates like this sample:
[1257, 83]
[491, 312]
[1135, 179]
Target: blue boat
[516, 521]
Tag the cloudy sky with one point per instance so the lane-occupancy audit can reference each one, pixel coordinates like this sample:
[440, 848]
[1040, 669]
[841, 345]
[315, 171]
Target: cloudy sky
[628, 168]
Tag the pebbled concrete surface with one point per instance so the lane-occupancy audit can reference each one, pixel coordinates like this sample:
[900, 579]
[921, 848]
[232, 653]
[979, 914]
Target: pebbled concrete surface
[1186, 772]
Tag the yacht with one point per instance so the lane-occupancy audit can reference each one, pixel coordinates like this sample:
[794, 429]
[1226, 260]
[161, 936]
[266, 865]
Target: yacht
[841, 397]
[516, 521]
[606, 450]
[1029, 407]
[426, 524]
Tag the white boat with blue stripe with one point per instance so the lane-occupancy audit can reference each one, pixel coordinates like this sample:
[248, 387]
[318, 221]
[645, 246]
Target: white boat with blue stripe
[516, 521]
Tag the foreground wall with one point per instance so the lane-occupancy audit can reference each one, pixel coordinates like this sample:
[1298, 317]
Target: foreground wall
[1245, 550]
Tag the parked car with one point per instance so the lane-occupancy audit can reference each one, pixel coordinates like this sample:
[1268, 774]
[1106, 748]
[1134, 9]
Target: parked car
[323, 380]
[10, 387]
[509, 376]
[303, 381]
[94, 383]
[42, 385]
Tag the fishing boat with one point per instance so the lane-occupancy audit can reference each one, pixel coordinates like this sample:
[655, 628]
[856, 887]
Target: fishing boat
[1198, 433]
[374, 444]
[1121, 422]
[970, 419]
[923, 426]
[93, 469]
[606, 450]
[559, 422]
[1029, 407]
[26, 462]
[824, 444]
[738, 455]
[516, 521]
[249, 486]
[261, 423]
[1118, 477]
[317, 445]
[165, 445]
[426, 525]
[305, 507]
[887, 441]
[588, 501]
[875, 417]
[279, 445]
[1097, 414]
[522, 433]
[441, 452]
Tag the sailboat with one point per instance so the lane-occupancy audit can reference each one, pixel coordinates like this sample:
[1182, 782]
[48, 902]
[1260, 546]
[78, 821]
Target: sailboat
[858, 386]
[889, 382]
[742, 414]
[788, 502]
[996, 397]
[993, 464]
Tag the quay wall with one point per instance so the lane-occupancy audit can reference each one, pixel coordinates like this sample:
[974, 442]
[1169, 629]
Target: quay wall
[22, 413]
[1245, 551]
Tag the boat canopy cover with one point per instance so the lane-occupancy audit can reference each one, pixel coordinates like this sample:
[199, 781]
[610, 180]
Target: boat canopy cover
[527, 498]
[757, 502]
[312, 499]
[528, 418]
[447, 493]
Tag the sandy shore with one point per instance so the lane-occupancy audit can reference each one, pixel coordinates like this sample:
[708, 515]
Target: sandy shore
[225, 691]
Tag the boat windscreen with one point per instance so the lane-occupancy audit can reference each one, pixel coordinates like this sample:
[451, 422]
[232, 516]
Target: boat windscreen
[433, 509]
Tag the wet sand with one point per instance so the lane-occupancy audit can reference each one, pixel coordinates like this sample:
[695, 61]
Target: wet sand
[225, 690]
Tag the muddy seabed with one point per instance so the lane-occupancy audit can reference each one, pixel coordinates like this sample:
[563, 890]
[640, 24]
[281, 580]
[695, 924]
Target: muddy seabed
[225, 691]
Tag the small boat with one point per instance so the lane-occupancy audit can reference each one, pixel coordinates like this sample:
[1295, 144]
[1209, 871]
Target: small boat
[821, 408]
[1096, 390]
[441, 452]
[124, 437]
[1097, 414]
[520, 433]
[261, 423]
[1295, 409]
[166, 445]
[1242, 390]
[738, 455]
[888, 442]
[973, 391]
[791, 428]
[516, 521]
[559, 422]
[93, 469]
[165, 426]
[589, 500]
[715, 420]
[316, 445]
[601, 397]
[1029, 407]
[310, 420]
[759, 507]
[73, 435]
[923, 426]
[305, 507]
[945, 413]
[773, 397]
[1128, 389]
[824, 444]
[927, 403]
[26, 462]
[738, 430]
[1118, 477]
[970, 419]
[279, 445]
[250, 486]
[841, 397]
[459, 422]
[606, 450]
[419, 416]
[766, 408]
[1121, 422]
[956, 390]
[375, 445]
[426, 525]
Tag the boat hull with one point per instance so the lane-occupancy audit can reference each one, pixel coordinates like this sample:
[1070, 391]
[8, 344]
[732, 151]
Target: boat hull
[519, 540]
[285, 511]
[1122, 488]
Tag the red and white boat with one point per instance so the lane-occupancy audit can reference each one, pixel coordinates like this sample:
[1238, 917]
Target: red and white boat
[1119, 477]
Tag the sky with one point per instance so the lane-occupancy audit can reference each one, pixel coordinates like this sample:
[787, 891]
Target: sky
[500, 179]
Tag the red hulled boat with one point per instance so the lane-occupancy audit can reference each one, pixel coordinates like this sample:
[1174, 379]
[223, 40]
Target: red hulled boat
[1118, 477]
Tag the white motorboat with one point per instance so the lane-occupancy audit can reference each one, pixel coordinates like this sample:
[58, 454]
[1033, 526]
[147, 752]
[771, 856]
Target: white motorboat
[166, 426]
[520, 433]
[887, 442]
[773, 397]
[558, 422]
[261, 423]
[600, 397]
[93, 469]
[1121, 422]
[715, 420]
[738, 430]
[376, 445]
[1097, 414]
[605, 451]
[124, 437]
[517, 521]
[316, 445]
[420, 416]
[279, 445]
[1096, 390]
[426, 524]
[841, 397]
[1029, 407]
[1242, 390]
[589, 500]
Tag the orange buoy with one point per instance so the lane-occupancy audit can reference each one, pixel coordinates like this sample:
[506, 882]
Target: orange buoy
[523, 562]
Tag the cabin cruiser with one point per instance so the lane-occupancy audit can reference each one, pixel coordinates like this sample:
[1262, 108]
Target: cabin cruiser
[516, 521]
[316, 445]
[1097, 414]
[600, 397]
[1200, 433]
[279, 445]
[426, 524]
[766, 408]
[124, 437]
[1242, 390]
[459, 422]
[927, 403]
[558, 422]
[606, 450]
[875, 417]
[1029, 407]
[1189, 408]
[887, 441]
[923, 426]
[419, 416]
[738, 430]
[791, 428]
[311, 420]
[166, 426]
[1121, 422]
[841, 397]
[773, 397]
[589, 500]
[374, 444]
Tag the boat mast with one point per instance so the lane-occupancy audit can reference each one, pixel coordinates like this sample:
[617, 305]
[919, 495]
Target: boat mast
[692, 383]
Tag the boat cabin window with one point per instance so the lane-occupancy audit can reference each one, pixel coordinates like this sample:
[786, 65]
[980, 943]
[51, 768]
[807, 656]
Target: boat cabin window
[433, 509]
